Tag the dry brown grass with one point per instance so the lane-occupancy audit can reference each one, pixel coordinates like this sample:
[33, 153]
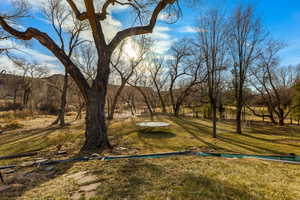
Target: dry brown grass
[167, 178]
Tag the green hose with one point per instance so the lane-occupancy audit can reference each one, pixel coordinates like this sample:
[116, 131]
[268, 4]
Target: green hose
[286, 159]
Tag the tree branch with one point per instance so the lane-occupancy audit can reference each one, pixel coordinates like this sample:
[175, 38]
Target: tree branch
[47, 42]
[80, 16]
[139, 30]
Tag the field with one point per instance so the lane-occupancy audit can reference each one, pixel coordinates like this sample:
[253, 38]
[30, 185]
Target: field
[184, 177]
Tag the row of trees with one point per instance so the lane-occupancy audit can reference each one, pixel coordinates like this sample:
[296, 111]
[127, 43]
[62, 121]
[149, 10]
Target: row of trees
[228, 53]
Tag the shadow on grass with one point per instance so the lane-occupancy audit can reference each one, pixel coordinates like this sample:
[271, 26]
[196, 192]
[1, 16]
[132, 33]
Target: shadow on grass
[202, 187]
[17, 135]
[195, 131]
[34, 176]
[156, 134]
[133, 176]
[141, 179]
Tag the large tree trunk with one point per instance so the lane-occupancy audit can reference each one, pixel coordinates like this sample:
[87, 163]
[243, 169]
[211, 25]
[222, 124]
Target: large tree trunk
[96, 130]
[61, 115]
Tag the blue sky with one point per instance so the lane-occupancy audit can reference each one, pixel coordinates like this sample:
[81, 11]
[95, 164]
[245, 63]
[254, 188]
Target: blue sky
[280, 17]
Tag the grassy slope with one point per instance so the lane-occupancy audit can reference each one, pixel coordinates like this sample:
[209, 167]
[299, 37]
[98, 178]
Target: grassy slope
[173, 178]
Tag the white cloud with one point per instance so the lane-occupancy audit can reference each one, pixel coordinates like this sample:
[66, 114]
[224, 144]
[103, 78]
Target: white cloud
[163, 17]
[163, 40]
[161, 47]
[24, 50]
[191, 29]
[30, 55]
[8, 65]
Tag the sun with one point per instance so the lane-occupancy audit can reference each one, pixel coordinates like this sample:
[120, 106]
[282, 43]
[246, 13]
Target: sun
[131, 50]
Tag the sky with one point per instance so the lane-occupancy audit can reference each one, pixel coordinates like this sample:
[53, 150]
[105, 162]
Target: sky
[280, 17]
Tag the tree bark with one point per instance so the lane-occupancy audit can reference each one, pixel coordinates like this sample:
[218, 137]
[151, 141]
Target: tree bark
[96, 130]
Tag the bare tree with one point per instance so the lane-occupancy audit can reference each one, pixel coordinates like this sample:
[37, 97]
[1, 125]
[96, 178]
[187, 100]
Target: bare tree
[159, 77]
[69, 38]
[130, 97]
[185, 71]
[274, 83]
[245, 36]
[211, 42]
[94, 95]
[142, 82]
[124, 65]
[30, 73]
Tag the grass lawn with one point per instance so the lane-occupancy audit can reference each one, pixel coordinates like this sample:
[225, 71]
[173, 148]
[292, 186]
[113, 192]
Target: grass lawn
[184, 177]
